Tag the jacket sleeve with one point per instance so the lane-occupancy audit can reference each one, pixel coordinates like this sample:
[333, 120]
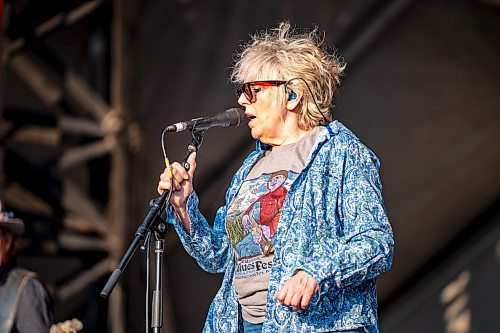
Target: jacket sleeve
[365, 249]
[208, 245]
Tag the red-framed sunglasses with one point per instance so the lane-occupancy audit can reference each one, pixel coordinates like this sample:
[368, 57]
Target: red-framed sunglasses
[246, 88]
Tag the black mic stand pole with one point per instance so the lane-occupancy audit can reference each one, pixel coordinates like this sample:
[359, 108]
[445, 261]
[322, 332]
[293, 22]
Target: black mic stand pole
[160, 232]
[157, 305]
[151, 223]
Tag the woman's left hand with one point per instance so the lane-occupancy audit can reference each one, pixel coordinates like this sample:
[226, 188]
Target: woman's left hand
[298, 291]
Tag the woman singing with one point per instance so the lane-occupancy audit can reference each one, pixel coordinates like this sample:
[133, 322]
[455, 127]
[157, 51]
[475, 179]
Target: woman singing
[304, 232]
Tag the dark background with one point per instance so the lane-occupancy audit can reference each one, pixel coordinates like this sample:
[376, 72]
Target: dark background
[421, 89]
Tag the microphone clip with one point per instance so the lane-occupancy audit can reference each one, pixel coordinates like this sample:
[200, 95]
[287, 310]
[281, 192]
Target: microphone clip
[193, 146]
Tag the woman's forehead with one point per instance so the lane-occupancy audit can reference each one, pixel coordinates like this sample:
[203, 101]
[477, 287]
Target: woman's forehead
[260, 72]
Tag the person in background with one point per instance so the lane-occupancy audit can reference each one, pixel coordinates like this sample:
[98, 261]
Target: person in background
[25, 304]
[304, 258]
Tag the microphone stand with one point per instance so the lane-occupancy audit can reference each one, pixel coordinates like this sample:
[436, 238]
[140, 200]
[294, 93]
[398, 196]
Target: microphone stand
[157, 305]
[153, 223]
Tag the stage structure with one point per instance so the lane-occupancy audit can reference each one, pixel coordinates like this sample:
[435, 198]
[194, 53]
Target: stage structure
[65, 142]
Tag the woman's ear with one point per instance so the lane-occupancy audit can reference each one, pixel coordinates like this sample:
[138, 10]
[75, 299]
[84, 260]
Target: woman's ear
[294, 99]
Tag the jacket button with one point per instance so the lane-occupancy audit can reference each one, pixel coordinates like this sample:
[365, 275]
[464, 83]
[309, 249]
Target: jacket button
[233, 313]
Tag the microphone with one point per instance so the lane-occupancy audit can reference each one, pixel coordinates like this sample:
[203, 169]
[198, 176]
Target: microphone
[229, 118]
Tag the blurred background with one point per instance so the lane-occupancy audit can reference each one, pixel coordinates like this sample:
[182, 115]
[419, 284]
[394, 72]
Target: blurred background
[88, 86]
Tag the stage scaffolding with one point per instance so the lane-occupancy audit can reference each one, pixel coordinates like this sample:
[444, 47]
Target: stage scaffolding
[64, 139]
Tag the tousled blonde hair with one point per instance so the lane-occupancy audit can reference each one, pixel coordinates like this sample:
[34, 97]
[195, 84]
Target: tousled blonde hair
[284, 53]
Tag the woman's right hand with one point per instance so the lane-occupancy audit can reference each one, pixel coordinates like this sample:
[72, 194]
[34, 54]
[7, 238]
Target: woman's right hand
[183, 183]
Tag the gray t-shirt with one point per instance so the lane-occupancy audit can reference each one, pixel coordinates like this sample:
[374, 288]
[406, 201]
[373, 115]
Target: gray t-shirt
[253, 217]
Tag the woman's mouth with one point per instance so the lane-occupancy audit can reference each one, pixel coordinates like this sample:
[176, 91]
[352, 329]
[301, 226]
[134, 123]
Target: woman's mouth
[250, 117]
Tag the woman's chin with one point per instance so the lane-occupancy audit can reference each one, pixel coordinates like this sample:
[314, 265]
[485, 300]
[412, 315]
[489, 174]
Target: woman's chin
[256, 135]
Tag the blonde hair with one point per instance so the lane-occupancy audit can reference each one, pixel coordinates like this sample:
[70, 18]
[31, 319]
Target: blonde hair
[284, 53]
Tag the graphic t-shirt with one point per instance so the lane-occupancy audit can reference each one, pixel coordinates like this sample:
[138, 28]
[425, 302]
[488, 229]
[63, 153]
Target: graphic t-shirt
[253, 217]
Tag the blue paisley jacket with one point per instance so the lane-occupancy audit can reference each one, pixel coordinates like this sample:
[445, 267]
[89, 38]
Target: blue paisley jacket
[333, 225]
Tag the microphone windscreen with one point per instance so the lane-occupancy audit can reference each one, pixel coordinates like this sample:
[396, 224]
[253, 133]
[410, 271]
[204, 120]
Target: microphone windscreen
[235, 115]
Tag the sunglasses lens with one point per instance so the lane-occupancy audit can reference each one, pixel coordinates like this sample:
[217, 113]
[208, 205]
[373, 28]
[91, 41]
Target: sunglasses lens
[248, 92]
[246, 88]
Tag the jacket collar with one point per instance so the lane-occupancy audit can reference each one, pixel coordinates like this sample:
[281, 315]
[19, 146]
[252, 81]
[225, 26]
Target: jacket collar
[331, 129]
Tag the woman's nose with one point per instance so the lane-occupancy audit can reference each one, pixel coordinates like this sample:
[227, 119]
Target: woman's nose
[242, 100]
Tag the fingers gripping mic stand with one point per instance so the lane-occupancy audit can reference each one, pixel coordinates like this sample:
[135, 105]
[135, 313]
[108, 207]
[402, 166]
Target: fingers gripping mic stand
[153, 223]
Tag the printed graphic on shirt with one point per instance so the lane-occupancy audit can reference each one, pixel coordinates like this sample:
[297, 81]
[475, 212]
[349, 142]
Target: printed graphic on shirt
[252, 217]
[253, 266]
